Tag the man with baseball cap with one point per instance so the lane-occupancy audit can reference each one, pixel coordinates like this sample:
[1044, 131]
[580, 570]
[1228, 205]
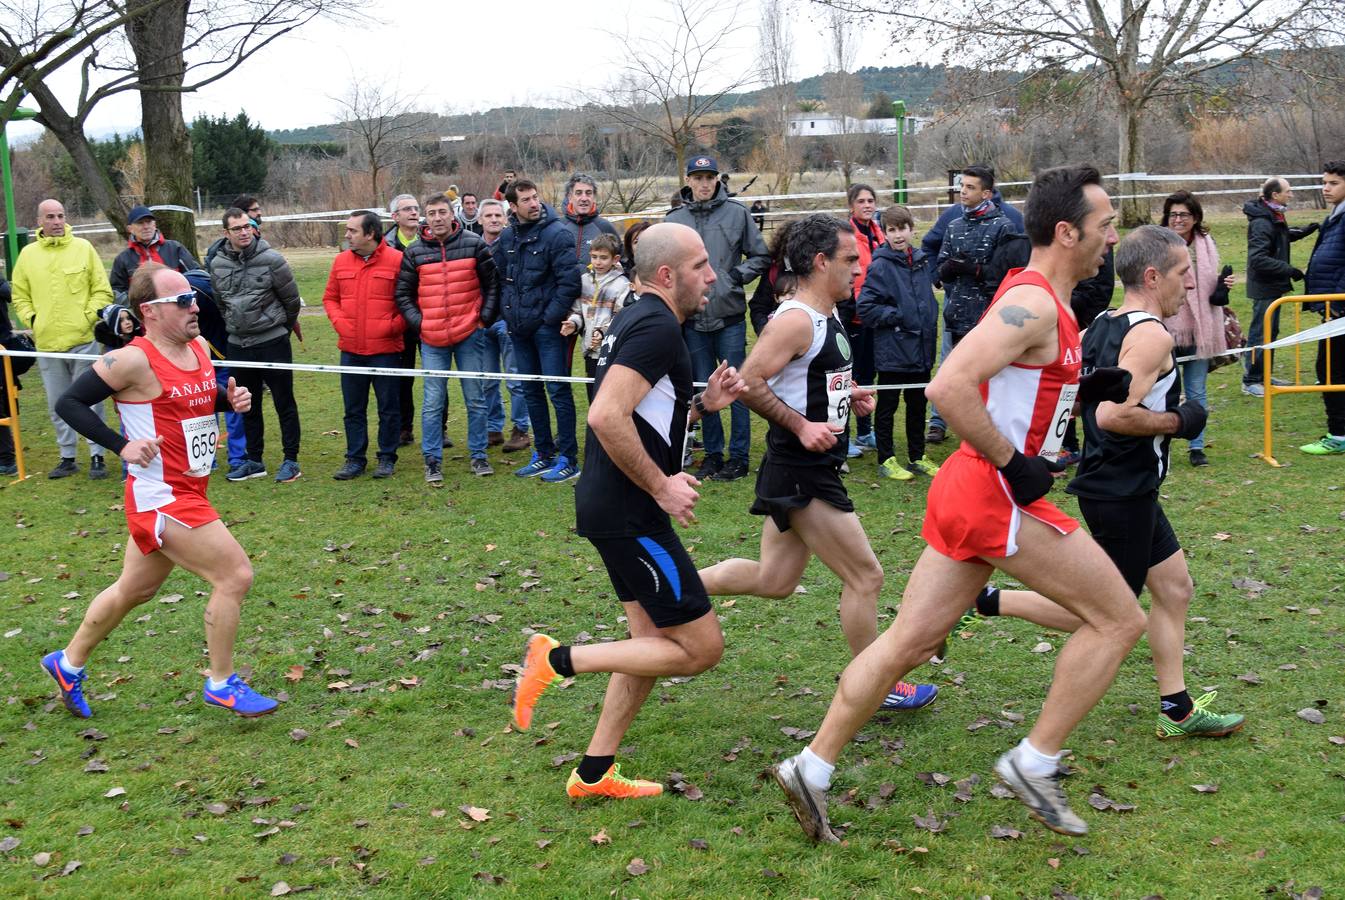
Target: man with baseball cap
[146, 244]
[718, 333]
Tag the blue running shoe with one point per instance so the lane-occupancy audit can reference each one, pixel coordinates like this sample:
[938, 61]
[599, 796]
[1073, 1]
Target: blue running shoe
[536, 466]
[72, 686]
[563, 470]
[907, 696]
[867, 441]
[854, 451]
[238, 698]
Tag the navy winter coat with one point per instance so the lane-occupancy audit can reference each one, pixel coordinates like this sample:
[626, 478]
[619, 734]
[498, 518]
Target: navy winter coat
[933, 238]
[539, 272]
[1269, 271]
[898, 303]
[583, 229]
[972, 239]
[1326, 266]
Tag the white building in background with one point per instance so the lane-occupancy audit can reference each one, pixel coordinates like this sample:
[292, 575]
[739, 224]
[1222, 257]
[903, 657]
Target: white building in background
[821, 124]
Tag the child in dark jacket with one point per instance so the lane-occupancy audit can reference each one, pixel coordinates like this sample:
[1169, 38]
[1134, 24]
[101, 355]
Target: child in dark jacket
[897, 302]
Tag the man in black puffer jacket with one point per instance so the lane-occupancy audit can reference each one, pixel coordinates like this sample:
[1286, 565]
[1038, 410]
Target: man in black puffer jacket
[1269, 272]
[541, 281]
[1326, 275]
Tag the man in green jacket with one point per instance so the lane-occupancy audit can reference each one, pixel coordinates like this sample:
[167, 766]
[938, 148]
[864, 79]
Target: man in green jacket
[59, 285]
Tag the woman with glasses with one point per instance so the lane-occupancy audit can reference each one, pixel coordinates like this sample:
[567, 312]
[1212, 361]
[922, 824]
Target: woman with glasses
[1198, 327]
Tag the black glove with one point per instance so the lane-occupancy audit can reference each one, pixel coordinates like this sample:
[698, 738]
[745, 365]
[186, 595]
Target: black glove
[1193, 417]
[1309, 229]
[1030, 477]
[1296, 274]
[1108, 383]
[1220, 295]
[956, 267]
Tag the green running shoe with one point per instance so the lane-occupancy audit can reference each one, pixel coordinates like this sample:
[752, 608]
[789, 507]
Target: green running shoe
[968, 620]
[1326, 445]
[1200, 722]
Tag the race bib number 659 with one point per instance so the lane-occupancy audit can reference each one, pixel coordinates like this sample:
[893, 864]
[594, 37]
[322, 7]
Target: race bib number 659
[201, 436]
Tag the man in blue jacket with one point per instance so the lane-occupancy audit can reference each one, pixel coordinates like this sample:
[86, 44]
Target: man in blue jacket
[541, 281]
[1326, 275]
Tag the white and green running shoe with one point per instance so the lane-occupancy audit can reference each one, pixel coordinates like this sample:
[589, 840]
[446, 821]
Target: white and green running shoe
[1326, 445]
[1200, 722]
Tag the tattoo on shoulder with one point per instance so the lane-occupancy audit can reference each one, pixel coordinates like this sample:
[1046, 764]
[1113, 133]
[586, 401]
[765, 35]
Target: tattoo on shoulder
[108, 359]
[1017, 316]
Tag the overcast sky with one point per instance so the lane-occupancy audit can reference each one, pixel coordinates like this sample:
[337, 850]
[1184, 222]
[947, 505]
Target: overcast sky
[459, 57]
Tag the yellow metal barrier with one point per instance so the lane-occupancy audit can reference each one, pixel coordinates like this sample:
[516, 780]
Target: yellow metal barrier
[1298, 387]
[11, 419]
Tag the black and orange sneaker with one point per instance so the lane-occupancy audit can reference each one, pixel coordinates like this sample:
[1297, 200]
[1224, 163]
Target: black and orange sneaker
[612, 784]
[537, 676]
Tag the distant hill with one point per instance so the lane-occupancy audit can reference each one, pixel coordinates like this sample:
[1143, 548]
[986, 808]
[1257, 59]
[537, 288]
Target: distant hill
[914, 84]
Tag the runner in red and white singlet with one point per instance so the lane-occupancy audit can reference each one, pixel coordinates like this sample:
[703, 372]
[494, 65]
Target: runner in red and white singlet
[1008, 389]
[173, 484]
[166, 393]
[970, 511]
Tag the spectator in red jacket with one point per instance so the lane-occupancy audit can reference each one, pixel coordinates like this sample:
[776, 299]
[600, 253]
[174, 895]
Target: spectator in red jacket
[360, 301]
[448, 292]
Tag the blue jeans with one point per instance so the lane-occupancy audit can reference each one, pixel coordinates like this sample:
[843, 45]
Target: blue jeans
[945, 347]
[471, 356]
[355, 398]
[1194, 374]
[1256, 334]
[500, 349]
[545, 352]
[708, 349]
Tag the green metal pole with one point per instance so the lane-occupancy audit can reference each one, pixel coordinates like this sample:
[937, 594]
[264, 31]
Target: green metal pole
[899, 109]
[11, 225]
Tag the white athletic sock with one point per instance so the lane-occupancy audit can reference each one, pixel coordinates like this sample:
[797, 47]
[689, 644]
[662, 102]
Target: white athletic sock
[216, 685]
[816, 770]
[1033, 762]
[66, 666]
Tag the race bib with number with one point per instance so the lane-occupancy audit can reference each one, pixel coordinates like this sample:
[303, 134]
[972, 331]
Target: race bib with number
[201, 435]
[838, 399]
[1064, 411]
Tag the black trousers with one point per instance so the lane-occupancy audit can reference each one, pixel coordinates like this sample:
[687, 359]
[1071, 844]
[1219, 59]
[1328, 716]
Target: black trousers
[406, 386]
[888, 401]
[1334, 402]
[7, 457]
[355, 397]
[281, 384]
[862, 371]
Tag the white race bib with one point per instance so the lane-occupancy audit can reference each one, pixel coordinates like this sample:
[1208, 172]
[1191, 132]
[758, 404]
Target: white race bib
[838, 400]
[201, 436]
[1064, 411]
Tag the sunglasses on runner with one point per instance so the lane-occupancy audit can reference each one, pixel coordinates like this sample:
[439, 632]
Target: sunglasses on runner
[184, 300]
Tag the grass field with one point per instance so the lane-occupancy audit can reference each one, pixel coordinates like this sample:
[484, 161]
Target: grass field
[389, 615]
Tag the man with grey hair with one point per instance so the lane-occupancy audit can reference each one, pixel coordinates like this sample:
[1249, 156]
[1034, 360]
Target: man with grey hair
[1270, 272]
[405, 212]
[1124, 462]
[493, 216]
[580, 214]
[631, 488]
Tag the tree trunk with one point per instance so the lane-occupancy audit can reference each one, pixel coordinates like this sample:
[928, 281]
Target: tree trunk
[156, 39]
[1134, 212]
[70, 133]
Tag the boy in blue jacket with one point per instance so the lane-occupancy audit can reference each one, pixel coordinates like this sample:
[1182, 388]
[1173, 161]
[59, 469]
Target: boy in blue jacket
[897, 302]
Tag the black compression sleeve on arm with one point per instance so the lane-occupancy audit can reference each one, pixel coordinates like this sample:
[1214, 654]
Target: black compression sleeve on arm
[222, 403]
[74, 404]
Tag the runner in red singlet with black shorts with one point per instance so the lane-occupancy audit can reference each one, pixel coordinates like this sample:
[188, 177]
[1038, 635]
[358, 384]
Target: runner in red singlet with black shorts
[1009, 388]
[167, 396]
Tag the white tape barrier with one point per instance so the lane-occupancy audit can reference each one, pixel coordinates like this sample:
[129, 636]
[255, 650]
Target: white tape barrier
[1316, 333]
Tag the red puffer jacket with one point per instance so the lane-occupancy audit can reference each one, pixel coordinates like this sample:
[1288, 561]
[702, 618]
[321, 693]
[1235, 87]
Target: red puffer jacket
[361, 303]
[447, 289]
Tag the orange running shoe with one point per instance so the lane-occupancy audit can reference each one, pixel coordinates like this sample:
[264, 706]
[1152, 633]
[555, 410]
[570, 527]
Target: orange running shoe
[612, 784]
[536, 677]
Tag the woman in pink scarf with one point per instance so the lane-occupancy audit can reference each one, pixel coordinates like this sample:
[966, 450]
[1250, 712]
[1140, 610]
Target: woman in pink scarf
[1198, 327]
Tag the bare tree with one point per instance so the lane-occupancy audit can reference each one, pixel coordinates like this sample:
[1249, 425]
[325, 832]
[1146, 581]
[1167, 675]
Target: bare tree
[179, 49]
[1138, 51]
[777, 74]
[383, 125]
[844, 91]
[673, 76]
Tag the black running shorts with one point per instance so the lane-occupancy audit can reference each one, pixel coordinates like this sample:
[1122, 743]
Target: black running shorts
[783, 488]
[1134, 532]
[657, 573]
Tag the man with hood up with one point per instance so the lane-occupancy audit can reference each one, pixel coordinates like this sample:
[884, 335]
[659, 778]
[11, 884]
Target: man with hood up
[718, 333]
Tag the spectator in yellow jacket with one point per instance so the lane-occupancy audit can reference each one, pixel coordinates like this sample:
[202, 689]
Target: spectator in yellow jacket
[59, 286]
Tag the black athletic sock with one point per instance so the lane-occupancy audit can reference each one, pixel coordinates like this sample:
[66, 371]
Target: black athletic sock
[560, 661]
[987, 601]
[1177, 706]
[592, 768]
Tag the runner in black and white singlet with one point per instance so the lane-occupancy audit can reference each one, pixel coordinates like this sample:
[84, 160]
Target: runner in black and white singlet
[798, 377]
[632, 483]
[1125, 460]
